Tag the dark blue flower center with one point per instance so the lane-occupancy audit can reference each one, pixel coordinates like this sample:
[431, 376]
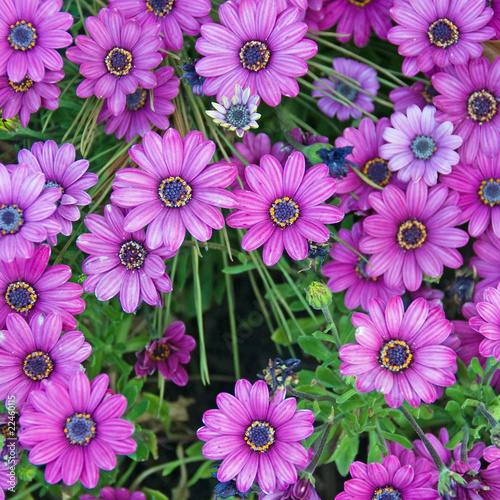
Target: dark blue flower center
[284, 211]
[443, 33]
[489, 3]
[80, 429]
[11, 219]
[22, 36]
[118, 61]
[489, 192]
[377, 171]
[160, 352]
[361, 269]
[238, 115]
[360, 3]
[175, 192]
[395, 356]
[160, 7]
[429, 93]
[132, 254]
[259, 436]
[137, 100]
[423, 147]
[482, 106]
[38, 365]
[346, 90]
[254, 55]
[23, 86]
[387, 493]
[411, 234]
[20, 296]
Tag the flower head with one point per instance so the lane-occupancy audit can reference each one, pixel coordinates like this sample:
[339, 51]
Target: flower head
[27, 96]
[419, 93]
[115, 59]
[61, 171]
[301, 490]
[400, 353]
[418, 147]
[485, 262]
[175, 190]
[266, 57]
[108, 493]
[167, 354]
[143, 108]
[35, 352]
[256, 439]
[76, 429]
[332, 89]
[285, 207]
[27, 286]
[31, 32]
[432, 33]
[238, 114]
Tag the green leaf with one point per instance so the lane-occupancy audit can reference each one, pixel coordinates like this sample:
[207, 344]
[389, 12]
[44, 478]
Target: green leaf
[348, 395]
[346, 453]
[454, 441]
[314, 347]
[454, 410]
[131, 394]
[476, 366]
[243, 268]
[138, 410]
[323, 336]
[326, 376]
[153, 494]
[406, 443]
[375, 450]
[154, 407]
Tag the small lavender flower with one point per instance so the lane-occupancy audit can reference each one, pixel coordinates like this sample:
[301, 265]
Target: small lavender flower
[167, 354]
[238, 114]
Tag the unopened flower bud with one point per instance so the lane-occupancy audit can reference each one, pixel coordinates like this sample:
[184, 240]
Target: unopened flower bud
[318, 295]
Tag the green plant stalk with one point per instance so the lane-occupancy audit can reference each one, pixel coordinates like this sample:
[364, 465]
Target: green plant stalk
[332, 326]
[465, 441]
[126, 475]
[23, 494]
[168, 301]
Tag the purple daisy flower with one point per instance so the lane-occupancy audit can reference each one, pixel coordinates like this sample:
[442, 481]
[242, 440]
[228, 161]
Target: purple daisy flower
[138, 115]
[435, 33]
[108, 493]
[495, 20]
[122, 262]
[470, 101]
[256, 439]
[176, 190]
[357, 18]
[35, 352]
[413, 233]
[366, 141]
[61, 171]
[27, 286]
[8, 479]
[387, 480]
[116, 58]
[27, 96]
[245, 50]
[479, 188]
[485, 262]
[30, 33]
[284, 207]
[25, 211]
[306, 138]
[301, 490]
[174, 17]
[418, 147]
[420, 94]
[367, 80]
[167, 354]
[76, 429]
[347, 271]
[400, 353]
[469, 338]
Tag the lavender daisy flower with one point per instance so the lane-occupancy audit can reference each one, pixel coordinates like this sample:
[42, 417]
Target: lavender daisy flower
[27, 286]
[469, 101]
[167, 354]
[358, 18]
[7, 479]
[495, 20]
[30, 33]
[238, 114]
[25, 211]
[432, 33]
[108, 493]
[138, 114]
[400, 353]
[61, 171]
[121, 262]
[75, 429]
[347, 271]
[265, 56]
[116, 58]
[418, 147]
[30, 354]
[420, 94]
[366, 142]
[413, 233]
[367, 81]
[479, 188]
[256, 439]
[485, 262]
[284, 207]
[176, 190]
[174, 17]
[27, 96]
[301, 490]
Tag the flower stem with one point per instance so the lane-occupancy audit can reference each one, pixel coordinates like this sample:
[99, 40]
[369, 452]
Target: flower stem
[463, 450]
[489, 374]
[487, 414]
[314, 462]
[308, 397]
[332, 326]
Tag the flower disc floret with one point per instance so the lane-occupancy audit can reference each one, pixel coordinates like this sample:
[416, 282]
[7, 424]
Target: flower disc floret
[11, 219]
[395, 356]
[20, 296]
[38, 365]
[118, 61]
[136, 100]
[160, 8]
[132, 254]
[174, 192]
[259, 436]
[254, 55]
[80, 429]
[411, 234]
[443, 33]
[22, 35]
[284, 211]
[377, 170]
[482, 106]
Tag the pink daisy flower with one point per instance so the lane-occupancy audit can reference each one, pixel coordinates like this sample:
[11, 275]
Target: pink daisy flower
[419, 93]
[485, 262]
